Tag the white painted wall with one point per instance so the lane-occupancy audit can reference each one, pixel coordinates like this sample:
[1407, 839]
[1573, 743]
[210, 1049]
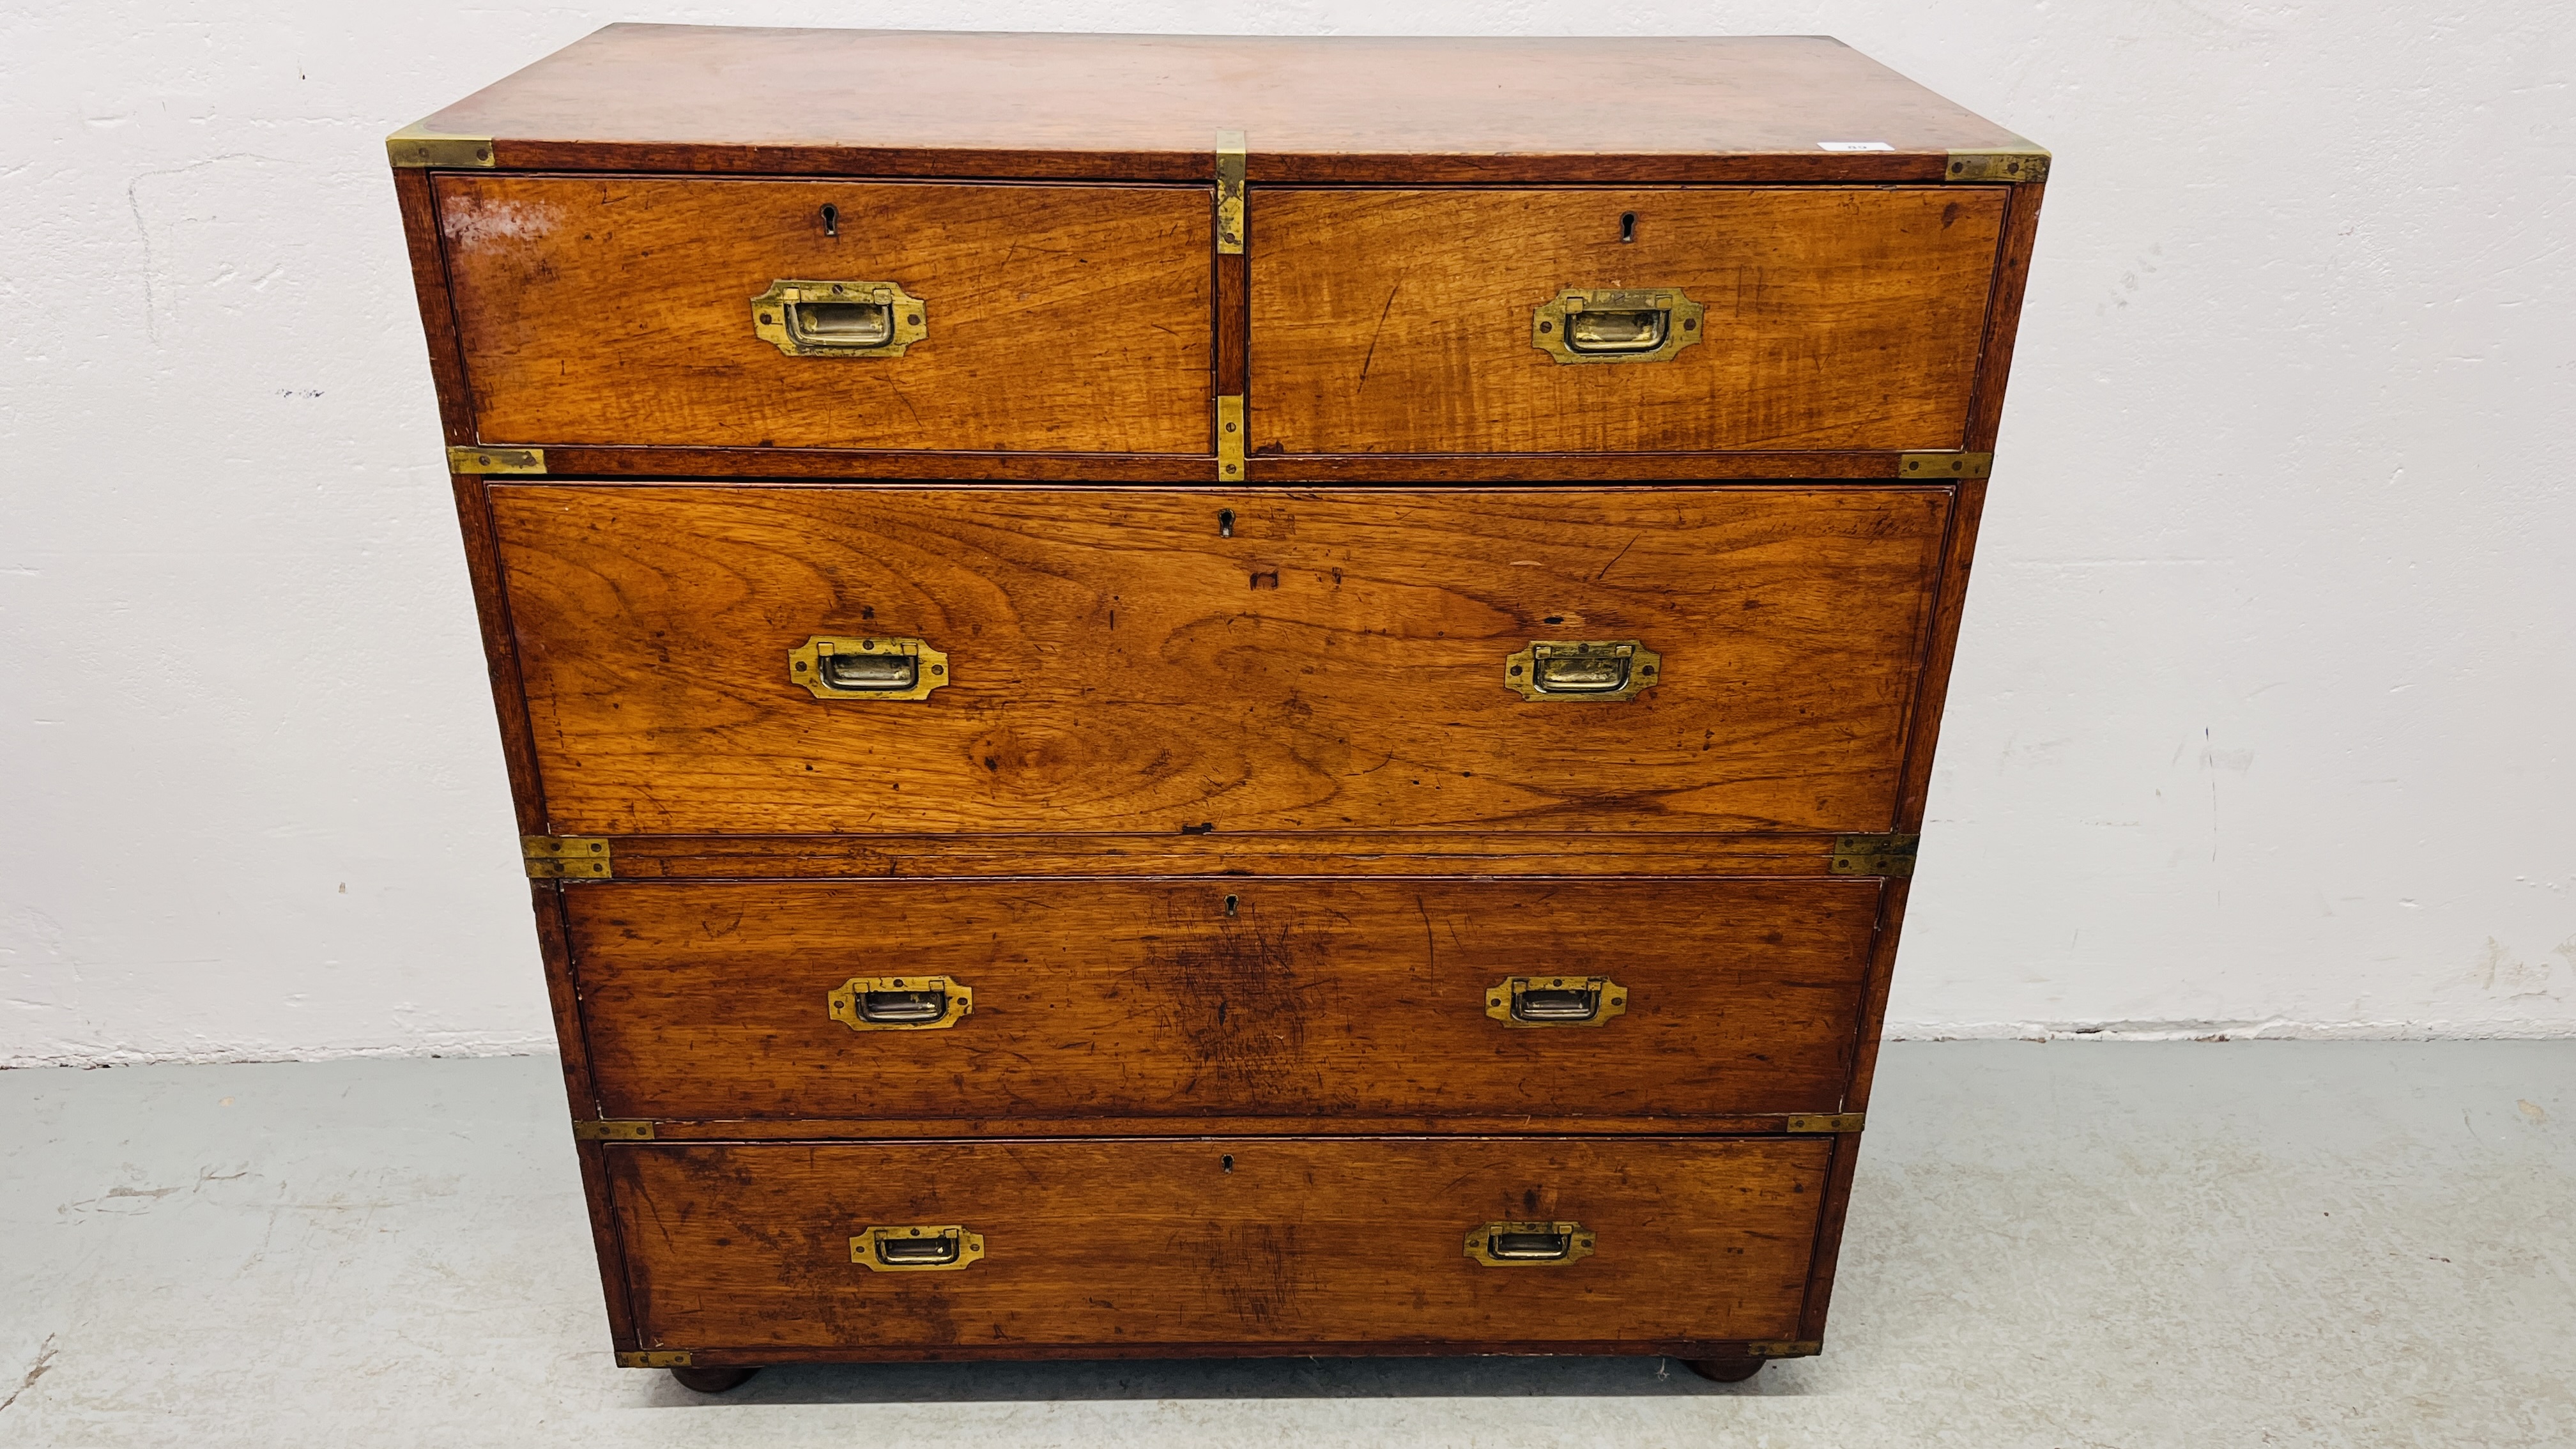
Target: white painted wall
[2262, 714]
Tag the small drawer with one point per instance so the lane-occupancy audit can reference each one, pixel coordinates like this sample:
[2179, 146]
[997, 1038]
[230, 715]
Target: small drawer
[1544, 1001]
[945, 1249]
[1139, 661]
[1550, 320]
[636, 311]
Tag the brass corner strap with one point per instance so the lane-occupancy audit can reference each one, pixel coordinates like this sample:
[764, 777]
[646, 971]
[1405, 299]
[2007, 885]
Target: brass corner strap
[656, 1358]
[496, 460]
[1784, 1348]
[1944, 465]
[1826, 1121]
[2003, 163]
[1229, 193]
[413, 148]
[612, 1129]
[1889, 855]
[566, 857]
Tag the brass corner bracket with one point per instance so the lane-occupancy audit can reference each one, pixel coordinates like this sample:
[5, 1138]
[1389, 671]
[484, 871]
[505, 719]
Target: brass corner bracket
[566, 857]
[1826, 1121]
[1888, 855]
[415, 149]
[2005, 164]
[613, 1129]
[1944, 465]
[1229, 193]
[496, 460]
[655, 1358]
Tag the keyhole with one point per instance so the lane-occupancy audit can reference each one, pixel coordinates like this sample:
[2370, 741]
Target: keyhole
[1627, 226]
[1225, 1162]
[1229, 908]
[831, 219]
[1225, 523]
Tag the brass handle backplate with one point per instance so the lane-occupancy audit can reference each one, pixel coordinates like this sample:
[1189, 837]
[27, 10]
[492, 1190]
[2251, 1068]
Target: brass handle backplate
[1529, 1245]
[944, 1248]
[1599, 670]
[1616, 324]
[839, 319]
[1556, 1000]
[901, 1003]
[834, 667]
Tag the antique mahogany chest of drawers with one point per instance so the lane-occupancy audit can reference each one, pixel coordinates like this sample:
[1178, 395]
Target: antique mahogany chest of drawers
[1216, 696]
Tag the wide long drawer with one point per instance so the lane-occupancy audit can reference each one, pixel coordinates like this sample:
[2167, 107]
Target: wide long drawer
[1551, 1001]
[633, 310]
[1148, 660]
[1643, 1244]
[1595, 319]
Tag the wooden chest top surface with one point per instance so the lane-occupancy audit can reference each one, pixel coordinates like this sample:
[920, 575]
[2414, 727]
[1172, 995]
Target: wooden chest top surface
[1352, 109]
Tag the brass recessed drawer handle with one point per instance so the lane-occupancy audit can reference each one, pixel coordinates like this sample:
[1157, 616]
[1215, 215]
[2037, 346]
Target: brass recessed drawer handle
[1598, 670]
[1556, 1000]
[1529, 1245]
[1616, 324]
[901, 1003]
[839, 319]
[910, 1249]
[876, 667]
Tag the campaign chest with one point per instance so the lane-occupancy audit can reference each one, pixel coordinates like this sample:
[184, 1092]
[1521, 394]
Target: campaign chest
[1181, 695]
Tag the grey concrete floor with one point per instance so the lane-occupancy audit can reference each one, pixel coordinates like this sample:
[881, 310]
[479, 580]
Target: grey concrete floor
[2074, 1244]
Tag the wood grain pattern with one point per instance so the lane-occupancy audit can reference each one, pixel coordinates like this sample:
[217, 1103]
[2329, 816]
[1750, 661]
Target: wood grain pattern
[1129, 1242]
[1396, 321]
[1215, 853]
[1111, 999]
[1873, 1013]
[2003, 320]
[429, 292]
[1348, 468]
[717, 465]
[894, 1129]
[500, 652]
[563, 1000]
[859, 102]
[617, 310]
[1336, 664]
[1829, 1236]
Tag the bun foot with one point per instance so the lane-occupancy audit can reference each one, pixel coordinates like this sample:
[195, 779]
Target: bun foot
[716, 1378]
[1723, 1370]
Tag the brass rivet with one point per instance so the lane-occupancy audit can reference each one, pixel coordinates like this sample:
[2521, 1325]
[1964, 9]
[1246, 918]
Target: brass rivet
[939, 669]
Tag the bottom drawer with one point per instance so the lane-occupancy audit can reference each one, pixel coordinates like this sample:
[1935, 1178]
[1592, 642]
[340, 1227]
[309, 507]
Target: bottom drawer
[744, 1249]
